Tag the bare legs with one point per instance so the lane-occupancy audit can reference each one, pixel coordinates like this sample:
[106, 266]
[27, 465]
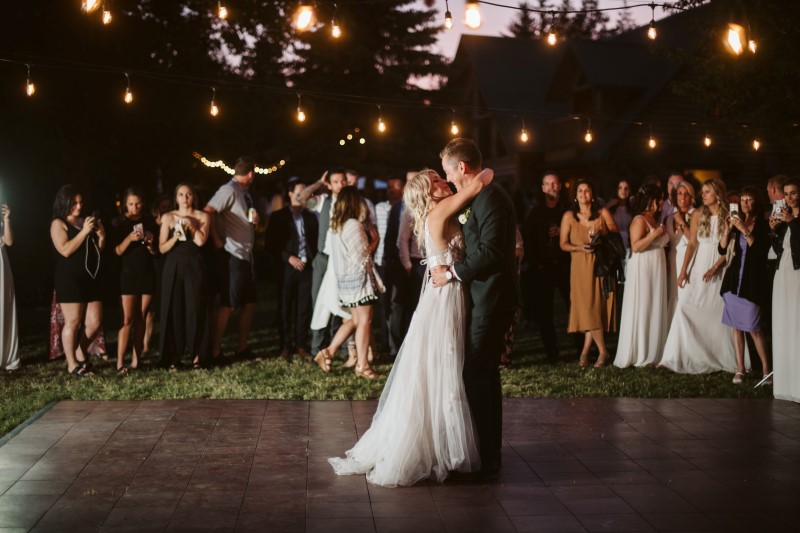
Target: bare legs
[134, 309]
[761, 348]
[596, 336]
[75, 344]
[245, 320]
[361, 323]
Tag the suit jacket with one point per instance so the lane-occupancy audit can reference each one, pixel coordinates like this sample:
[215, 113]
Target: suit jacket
[283, 239]
[490, 266]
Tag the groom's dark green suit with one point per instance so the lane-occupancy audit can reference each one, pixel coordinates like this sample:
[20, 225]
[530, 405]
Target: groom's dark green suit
[490, 273]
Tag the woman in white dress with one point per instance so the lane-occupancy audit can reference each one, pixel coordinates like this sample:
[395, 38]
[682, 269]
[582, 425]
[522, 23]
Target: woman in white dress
[9, 339]
[644, 324]
[423, 425]
[786, 298]
[698, 341]
[677, 226]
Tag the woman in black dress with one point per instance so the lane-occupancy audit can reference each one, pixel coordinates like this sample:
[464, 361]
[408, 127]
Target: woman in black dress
[134, 233]
[183, 294]
[78, 243]
[163, 204]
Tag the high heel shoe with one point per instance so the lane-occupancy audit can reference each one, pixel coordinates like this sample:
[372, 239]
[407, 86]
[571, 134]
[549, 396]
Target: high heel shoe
[366, 372]
[323, 359]
[352, 355]
[602, 360]
[584, 359]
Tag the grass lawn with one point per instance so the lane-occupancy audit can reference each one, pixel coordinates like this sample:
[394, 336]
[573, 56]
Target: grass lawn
[40, 382]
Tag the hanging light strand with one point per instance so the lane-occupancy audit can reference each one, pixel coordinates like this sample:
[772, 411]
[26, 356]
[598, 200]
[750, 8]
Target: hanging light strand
[588, 137]
[301, 115]
[453, 126]
[381, 123]
[30, 88]
[448, 17]
[128, 98]
[651, 30]
[552, 37]
[523, 135]
[229, 170]
[214, 109]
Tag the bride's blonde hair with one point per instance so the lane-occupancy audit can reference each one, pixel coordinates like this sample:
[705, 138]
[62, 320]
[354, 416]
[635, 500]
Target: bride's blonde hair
[417, 196]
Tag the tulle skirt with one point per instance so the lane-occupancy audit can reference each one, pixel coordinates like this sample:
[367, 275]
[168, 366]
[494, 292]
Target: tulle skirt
[423, 426]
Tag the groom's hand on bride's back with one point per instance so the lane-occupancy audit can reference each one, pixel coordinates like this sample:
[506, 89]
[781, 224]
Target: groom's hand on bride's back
[439, 276]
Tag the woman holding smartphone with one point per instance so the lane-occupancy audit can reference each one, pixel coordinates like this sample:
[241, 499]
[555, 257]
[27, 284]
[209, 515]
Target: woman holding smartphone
[134, 233]
[184, 325]
[786, 295]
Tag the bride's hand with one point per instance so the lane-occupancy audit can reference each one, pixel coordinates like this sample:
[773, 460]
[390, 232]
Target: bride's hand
[438, 276]
[486, 176]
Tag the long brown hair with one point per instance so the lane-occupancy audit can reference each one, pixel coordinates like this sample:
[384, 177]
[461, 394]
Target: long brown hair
[349, 204]
[704, 226]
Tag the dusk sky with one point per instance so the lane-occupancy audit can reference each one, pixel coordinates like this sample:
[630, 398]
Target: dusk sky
[496, 19]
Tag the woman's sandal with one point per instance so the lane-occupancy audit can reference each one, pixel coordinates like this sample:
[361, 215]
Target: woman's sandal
[366, 372]
[602, 360]
[81, 371]
[738, 378]
[122, 371]
[323, 359]
[584, 359]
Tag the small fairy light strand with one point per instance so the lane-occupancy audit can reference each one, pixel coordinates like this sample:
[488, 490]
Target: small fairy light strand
[229, 170]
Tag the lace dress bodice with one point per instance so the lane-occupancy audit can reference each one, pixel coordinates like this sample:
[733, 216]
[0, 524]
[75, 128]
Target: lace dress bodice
[454, 252]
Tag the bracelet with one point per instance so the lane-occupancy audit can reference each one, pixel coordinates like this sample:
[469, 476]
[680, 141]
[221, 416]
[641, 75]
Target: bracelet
[747, 235]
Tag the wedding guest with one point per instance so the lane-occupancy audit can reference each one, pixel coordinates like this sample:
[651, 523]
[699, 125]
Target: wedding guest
[353, 178]
[358, 282]
[786, 295]
[674, 178]
[292, 242]
[644, 323]
[546, 267]
[745, 280]
[163, 204]
[774, 193]
[233, 233]
[97, 347]
[134, 234]
[677, 227]
[590, 312]
[9, 336]
[183, 316]
[620, 208]
[78, 242]
[698, 342]
[387, 261]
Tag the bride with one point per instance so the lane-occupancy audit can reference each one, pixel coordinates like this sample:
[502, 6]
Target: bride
[423, 427]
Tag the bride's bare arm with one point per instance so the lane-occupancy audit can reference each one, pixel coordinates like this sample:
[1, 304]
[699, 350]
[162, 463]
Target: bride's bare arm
[439, 215]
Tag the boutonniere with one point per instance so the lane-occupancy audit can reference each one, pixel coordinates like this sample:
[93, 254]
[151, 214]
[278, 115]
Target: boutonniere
[464, 216]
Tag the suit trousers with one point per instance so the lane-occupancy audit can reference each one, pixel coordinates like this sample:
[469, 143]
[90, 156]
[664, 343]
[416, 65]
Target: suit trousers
[296, 307]
[485, 344]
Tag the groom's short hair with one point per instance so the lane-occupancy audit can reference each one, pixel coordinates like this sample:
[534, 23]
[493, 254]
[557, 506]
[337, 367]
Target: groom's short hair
[465, 150]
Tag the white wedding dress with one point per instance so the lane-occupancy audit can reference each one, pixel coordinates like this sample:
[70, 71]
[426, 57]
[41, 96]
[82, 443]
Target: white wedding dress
[423, 427]
[698, 341]
[785, 333]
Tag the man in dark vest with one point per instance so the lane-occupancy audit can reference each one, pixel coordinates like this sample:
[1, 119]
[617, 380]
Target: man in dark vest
[489, 271]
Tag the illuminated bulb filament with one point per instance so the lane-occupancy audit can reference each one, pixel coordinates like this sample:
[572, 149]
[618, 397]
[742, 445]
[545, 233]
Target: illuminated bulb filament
[30, 88]
[381, 125]
[651, 142]
[756, 144]
[448, 20]
[524, 135]
[128, 95]
[552, 38]
[707, 141]
[301, 116]
[651, 31]
[214, 110]
[588, 137]
[735, 39]
[336, 31]
[472, 17]
[304, 18]
[454, 128]
[751, 44]
[89, 6]
[106, 16]
[222, 11]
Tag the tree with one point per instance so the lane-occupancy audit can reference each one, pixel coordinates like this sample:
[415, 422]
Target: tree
[534, 23]
[527, 25]
[625, 20]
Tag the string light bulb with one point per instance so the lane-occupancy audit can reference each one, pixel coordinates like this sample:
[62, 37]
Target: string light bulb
[381, 123]
[106, 15]
[752, 46]
[448, 17]
[222, 11]
[214, 109]
[90, 6]
[301, 116]
[304, 18]
[756, 144]
[128, 98]
[734, 39]
[707, 140]
[552, 37]
[587, 137]
[651, 142]
[336, 31]
[472, 16]
[453, 126]
[651, 30]
[523, 135]
[30, 88]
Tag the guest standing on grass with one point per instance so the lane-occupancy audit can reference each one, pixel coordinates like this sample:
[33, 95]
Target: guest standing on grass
[698, 342]
[786, 295]
[233, 233]
[292, 243]
[358, 281]
[183, 291]
[644, 323]
[135, 233]
[621, 209]
[590, 312]
[745, 282]
[78, 242]
[9, 339]
[677, 227]
[163, 204]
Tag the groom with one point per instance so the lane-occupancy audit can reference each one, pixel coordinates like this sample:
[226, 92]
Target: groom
[490, 272]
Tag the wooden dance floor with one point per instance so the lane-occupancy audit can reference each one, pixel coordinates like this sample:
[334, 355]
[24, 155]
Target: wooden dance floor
[240, 465]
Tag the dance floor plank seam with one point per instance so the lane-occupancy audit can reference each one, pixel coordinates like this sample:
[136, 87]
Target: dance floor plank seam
[583, 465]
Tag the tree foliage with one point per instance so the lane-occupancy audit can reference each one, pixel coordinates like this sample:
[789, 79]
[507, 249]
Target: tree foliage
[587, 24]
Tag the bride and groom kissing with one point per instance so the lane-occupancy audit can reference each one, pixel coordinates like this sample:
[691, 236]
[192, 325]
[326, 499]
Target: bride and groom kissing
[441, 409]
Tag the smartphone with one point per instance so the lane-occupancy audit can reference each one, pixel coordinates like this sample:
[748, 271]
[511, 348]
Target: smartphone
[734, 208]
[778, 207]
[139, 227]
[179, 231]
